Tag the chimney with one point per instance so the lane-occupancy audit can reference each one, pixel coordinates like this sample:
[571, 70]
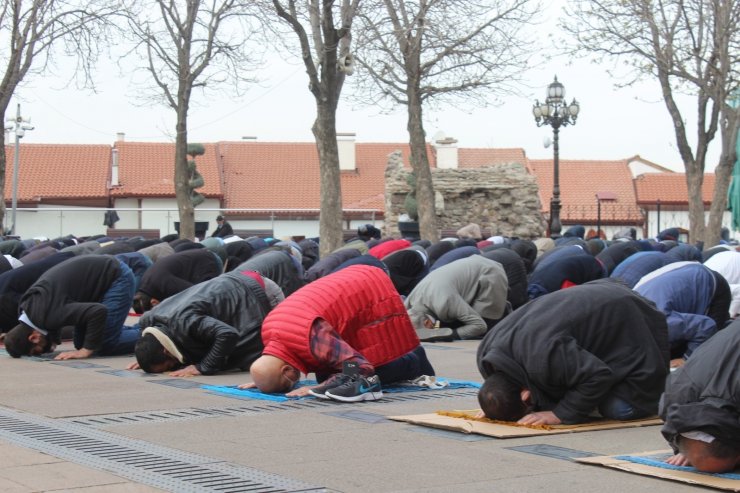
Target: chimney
[114, 168]
[120, 136]
[346, 147]
[446, 153]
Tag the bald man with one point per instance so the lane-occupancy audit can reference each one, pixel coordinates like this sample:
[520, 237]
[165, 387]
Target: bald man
[350, 328]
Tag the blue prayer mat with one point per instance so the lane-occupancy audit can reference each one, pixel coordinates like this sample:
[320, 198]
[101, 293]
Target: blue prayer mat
[395, 388]
[657, 461]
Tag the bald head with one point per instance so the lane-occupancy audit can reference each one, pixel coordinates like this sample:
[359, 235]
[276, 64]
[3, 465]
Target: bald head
[714, 457]
[273, 375]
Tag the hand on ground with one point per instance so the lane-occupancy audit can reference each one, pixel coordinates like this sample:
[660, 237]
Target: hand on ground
[540, 418]
[678, 460]
[677, 363]
[188, 371]
[79, 354]
[301, 391]
[133, 366]
[250, 385]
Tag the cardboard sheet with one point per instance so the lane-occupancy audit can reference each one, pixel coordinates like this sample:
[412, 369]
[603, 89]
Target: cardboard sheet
[500, 430]
[694, 478]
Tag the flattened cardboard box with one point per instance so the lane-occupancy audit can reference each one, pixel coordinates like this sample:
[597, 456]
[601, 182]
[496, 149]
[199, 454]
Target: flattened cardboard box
[693, 478]
[497, 430]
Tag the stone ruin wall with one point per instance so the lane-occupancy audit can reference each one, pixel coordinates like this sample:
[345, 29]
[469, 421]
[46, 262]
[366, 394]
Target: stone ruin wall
[502, 199]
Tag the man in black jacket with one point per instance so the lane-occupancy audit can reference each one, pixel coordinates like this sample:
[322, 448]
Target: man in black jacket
[209, 327]
[14, 284]
[175, 273]
[223, 229]
[701, 405]
[92, 293]
[561, 356]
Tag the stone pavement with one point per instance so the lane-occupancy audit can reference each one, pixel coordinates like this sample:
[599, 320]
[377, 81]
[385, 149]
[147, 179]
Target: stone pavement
[91, 426]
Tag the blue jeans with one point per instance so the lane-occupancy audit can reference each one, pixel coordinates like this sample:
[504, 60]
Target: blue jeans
[613, 407]
[409, 366]
[117, 338]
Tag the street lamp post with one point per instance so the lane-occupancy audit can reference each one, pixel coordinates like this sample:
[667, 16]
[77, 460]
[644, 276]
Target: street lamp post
[19, 127]
[556, 113]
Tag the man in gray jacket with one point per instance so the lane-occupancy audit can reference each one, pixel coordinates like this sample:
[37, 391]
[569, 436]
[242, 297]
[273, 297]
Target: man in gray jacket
[701, 405]
[209, 327]
[466, 297]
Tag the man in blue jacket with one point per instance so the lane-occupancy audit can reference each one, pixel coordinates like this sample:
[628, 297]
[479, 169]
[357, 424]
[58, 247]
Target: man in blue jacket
[695, 300]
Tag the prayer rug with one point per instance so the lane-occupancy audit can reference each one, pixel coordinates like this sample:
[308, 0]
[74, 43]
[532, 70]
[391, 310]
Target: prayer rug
[446, 384]
[466, 422]
[651, 464]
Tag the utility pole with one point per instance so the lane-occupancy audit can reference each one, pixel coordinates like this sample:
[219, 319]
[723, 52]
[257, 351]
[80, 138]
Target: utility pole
[19, 126]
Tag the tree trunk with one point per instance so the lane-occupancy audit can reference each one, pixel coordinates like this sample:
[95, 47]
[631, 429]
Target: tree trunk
[182, 190]
[420, 164]
[330, 218]
[694, 181]
[3, 161]
[722, 177]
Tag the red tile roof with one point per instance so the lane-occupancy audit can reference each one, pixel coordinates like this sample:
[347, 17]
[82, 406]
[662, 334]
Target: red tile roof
[58, 171]
[479, 157]
[580, 181]
[253, 170]
[285, 175]
[669, 188]
[280, 175]
[147, 170]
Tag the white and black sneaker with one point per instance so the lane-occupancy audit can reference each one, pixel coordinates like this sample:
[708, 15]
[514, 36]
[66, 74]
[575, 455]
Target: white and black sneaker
[357, 389]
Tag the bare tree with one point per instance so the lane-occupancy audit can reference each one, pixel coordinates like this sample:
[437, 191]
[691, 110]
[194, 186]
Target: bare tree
[460, 51]
[186, 46]
[325, 51]
[35, 32]
[690, 46]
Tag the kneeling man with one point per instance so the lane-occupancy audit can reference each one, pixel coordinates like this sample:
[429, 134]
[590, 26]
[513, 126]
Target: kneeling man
[352, 316]
[701, 405]
[563, 355]
[209, 327]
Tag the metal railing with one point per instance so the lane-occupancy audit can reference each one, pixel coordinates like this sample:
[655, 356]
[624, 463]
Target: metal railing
[86, 221]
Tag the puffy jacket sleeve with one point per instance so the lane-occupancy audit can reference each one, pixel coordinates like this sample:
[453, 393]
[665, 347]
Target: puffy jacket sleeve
[222, 339]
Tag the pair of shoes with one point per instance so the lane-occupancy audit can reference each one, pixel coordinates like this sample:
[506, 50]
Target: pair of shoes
[432, 335]
[335, 380]
[357, 389]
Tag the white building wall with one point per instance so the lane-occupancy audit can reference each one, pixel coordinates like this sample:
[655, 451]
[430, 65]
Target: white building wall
[49, 221]
[45, 222]
[161, 219]
[287, 228]
[128, 219]
[639, 168]
[680, 219]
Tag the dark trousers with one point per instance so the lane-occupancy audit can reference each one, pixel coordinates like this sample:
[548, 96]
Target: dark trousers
[117, 338]
[409, 366]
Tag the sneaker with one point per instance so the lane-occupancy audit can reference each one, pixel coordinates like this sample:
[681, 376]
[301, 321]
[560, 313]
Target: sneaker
[432, 335]
[357, 389]
[330, 383]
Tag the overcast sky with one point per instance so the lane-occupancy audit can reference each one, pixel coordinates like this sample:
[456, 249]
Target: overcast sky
[613, 123]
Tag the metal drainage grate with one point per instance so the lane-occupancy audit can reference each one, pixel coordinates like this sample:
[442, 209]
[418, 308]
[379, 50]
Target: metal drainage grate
[255, 407]
[139, 461]
[78, 364]
[552, 451]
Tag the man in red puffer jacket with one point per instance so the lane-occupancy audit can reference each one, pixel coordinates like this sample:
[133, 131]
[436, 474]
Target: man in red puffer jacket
[350, 328]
